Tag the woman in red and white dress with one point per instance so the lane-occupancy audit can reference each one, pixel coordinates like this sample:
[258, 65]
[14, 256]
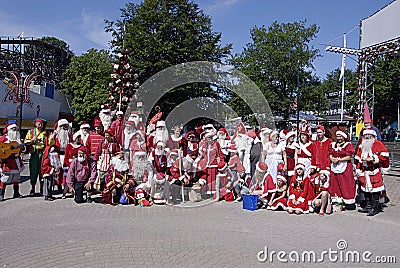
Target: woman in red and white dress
[304, 151]
[279, 197]
[342, 182]
[298, 191]
[289, 155]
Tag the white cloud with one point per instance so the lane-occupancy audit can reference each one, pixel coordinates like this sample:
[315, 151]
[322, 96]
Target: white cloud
[93, 29]
[220, 4]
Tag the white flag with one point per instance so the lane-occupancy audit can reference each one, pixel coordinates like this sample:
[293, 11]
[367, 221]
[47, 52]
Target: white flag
[343, 60]
[21, 35]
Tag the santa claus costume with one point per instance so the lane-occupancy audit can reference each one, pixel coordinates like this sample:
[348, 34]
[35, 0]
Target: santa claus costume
[210, 155]
[51, 170]
[84, 130]
[71, 152]
[370, 159]
[224, 183]
[298, 191]
[117, 125]
[95, 137]
[224, 141]
[159, 186]
[263, 184]
[189, 145]
[105, 116]
[117, 181]
[318, 195]
[12, 166]
[304, 151]
[279, 197]
[320, 157]
[289, 156]
[342, 182]
[176, 138]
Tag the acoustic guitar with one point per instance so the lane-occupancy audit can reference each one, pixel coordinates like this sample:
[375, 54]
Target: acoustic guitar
[7, 149]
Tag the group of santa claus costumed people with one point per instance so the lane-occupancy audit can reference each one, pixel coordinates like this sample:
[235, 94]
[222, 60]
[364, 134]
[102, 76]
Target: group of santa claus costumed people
[124, 162]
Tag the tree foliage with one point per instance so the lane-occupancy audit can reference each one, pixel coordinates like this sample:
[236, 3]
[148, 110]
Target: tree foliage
[160, 34]
[275, 57]
[87, 81]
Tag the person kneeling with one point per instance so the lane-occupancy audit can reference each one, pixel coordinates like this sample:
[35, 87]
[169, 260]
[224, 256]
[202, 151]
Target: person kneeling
[81, 175]
[319, 195]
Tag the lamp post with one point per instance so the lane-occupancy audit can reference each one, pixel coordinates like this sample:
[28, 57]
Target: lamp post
[21, 97]
[298, 98]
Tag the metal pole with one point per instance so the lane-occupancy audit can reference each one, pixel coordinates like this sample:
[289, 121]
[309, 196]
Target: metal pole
[298, 97]
[342, 103]
[21, 96]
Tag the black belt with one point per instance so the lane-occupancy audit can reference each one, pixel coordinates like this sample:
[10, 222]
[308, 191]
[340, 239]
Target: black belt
[290, 155]
[371, 168]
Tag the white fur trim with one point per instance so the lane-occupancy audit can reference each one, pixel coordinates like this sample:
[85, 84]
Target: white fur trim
[369, 131]
[62, 122]
[376, 159]
[84, 126]
[341, 133]
[301, 199]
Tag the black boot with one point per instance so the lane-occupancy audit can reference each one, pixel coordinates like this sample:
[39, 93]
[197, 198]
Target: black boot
[41, 188]
[374, 205]
[16, 191]
[368, 204]
[2, 191]
[32, 192]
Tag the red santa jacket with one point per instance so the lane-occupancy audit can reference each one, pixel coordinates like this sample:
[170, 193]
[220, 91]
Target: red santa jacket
[13, 163]
[47, 167]
[305, 150]
[71, 152]
[93, 142]
[299, 188]
[320, 154]
[210, 154]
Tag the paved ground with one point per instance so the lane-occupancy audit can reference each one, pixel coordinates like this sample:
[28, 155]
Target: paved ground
[35, 233]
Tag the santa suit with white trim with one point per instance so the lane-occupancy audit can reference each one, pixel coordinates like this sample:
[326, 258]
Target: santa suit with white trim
[369, 160]
[298, 191]
[12, 166]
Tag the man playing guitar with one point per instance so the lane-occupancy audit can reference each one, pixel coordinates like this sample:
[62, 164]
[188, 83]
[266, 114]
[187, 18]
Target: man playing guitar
[41, 138]
[10, 163]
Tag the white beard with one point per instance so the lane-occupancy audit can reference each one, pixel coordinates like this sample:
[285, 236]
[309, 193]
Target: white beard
[128, 137]
[106, 120]
[161, 135]
[134, 118]
[241, 142]
[139, 166]
[13, 135]
[54, 160]
[366, 146]
[63, 138]
[120, 164]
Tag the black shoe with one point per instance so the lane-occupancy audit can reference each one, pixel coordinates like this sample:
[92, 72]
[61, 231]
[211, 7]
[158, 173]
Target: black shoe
[373, 212]
[48, 198]
[32, 192]
[350, 206]
[89, 199]
[365, 209]
[17, 195]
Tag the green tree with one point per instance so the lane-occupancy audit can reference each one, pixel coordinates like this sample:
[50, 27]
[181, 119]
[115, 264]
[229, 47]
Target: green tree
[87, 81]
[160, 34]
[387, 89]
[273, 60]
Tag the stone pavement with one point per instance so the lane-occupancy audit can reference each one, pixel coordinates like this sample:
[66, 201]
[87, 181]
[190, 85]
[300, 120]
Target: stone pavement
[35, 233]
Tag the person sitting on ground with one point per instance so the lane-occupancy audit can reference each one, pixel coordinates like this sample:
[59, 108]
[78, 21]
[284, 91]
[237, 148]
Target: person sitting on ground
[298, 191]
[319, 195]
[279, 197]
[81, 175]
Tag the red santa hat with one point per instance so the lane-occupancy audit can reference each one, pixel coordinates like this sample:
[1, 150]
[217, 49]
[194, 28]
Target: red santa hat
[8, 127]
[76, 135]
[273, 133]
[160, 143]
[367, 115]
[119, 113]
[301, 166]
[97, 123]
[160, 124]
[319, 127]
[62, 122]
[240, 129]
[282, 134]
[325, 172]
[341, 133]
[131, 123]
[262, 167]
[190, 133]
[281, 177]
[105, 108]
[110, 131]
[140, 153]
[226, 133]
[265, 130]
[281, 167]
[84, 125]
[174, 152]
[290, 134]
[222, 165]
[155, 118]
[305, 132]
[134, 113]
[232, 148]
[367, 131]
[304, 120]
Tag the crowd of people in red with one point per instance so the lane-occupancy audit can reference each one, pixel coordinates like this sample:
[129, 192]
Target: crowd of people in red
[125, 162]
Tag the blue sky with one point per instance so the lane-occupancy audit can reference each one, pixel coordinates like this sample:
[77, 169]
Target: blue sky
[81, 22]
